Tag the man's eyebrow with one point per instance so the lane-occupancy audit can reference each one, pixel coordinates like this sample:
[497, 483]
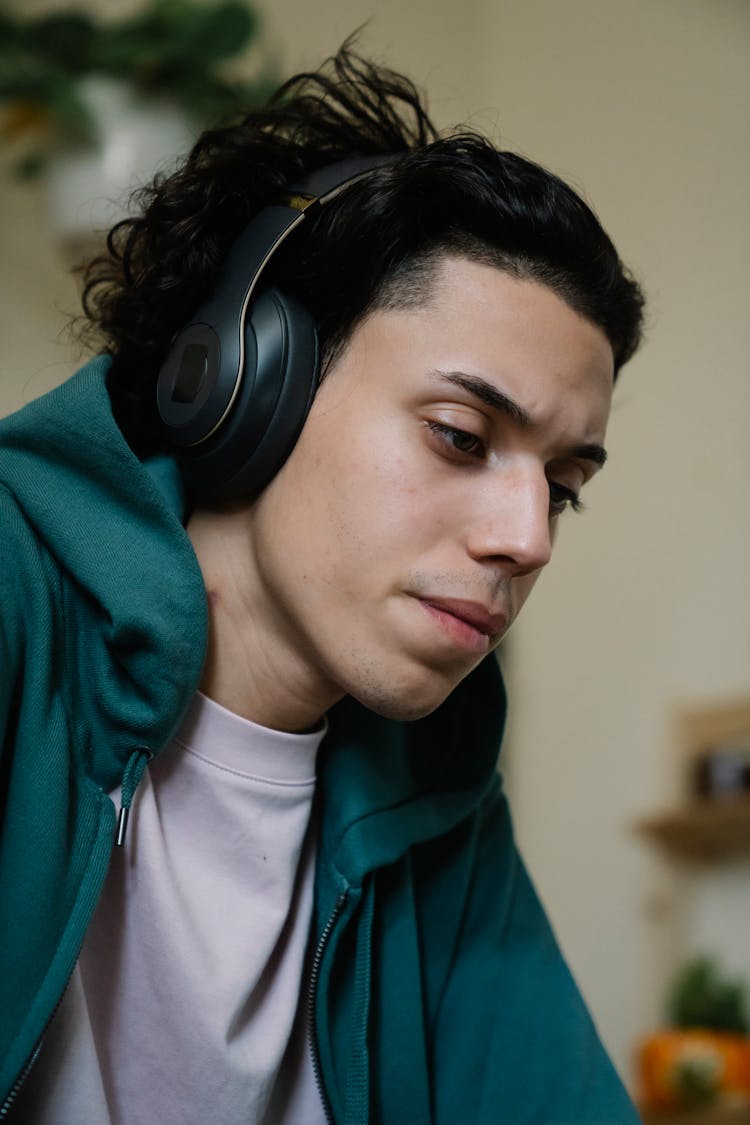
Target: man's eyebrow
[501, 402]
[487, 394]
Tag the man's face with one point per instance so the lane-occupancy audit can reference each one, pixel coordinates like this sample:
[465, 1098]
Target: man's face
[418, 508]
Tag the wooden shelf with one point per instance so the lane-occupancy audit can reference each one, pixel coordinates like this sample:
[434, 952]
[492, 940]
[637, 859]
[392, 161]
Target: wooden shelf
[719, 1115]
[708, 831]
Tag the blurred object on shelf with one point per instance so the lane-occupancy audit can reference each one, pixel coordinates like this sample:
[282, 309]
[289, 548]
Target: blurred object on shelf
[722, 772]
[703, 1058]
[712, 760]
[709, 729]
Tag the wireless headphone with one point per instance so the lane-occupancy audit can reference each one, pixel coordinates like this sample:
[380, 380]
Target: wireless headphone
[239, 379]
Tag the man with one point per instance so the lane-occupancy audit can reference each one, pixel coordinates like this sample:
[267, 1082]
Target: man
[278, 940]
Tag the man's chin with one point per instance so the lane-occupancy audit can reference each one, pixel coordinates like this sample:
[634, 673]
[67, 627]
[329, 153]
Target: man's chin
[405, 704]
[405, 712]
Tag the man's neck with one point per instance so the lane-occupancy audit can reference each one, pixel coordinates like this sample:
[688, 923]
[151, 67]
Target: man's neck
[253, 667]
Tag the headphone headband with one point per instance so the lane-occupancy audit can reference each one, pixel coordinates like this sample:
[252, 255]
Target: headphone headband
[326, 183]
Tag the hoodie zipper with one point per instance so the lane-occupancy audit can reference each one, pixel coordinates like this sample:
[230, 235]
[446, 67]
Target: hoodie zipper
[6, 1108]
[312, 997]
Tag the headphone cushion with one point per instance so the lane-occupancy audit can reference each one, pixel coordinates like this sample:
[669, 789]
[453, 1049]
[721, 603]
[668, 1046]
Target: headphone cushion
[277, 388]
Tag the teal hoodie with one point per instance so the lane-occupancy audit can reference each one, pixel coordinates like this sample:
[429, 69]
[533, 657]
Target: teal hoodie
[437, 990]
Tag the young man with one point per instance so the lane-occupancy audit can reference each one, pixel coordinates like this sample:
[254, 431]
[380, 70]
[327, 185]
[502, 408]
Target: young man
[316, 911]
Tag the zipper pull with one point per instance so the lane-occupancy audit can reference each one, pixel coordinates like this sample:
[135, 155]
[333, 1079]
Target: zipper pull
[137, 763]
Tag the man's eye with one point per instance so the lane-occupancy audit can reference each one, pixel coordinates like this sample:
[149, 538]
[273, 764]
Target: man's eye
[561, 498]
[458, 441]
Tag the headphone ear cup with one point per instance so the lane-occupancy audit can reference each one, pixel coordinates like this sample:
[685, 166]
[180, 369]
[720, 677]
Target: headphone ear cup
[276, 390]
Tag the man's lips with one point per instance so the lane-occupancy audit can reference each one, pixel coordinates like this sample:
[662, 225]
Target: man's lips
[472, 613]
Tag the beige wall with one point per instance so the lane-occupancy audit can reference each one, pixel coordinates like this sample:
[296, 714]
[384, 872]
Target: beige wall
[643, 105]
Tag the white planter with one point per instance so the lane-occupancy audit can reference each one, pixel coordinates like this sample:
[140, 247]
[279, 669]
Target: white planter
[88, 188]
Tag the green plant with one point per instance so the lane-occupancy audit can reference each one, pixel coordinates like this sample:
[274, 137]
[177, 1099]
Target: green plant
[702, 997]
[169, 48]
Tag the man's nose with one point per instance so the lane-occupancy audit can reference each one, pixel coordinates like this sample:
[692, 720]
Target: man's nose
[512, 521]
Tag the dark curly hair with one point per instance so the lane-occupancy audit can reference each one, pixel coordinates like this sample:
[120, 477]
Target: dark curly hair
[376, 246]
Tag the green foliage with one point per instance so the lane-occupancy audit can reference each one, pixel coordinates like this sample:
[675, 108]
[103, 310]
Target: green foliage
[701, 997]
[174, 48]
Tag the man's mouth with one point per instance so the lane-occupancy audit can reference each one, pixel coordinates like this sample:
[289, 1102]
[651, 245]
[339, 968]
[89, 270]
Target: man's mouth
[469, 624]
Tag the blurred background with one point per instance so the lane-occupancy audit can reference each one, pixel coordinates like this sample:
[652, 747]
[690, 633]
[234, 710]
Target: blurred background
[627, 758]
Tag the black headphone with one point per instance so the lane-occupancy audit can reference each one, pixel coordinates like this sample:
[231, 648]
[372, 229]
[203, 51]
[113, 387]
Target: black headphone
[238, 381]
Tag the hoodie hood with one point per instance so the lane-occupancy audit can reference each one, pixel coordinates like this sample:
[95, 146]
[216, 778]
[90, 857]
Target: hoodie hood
[133, 593]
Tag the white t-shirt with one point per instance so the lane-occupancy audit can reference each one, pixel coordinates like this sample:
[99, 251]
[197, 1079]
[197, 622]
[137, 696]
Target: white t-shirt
[188, 1002]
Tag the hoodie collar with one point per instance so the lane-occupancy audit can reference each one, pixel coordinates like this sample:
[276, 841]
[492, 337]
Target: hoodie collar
[387, 785]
